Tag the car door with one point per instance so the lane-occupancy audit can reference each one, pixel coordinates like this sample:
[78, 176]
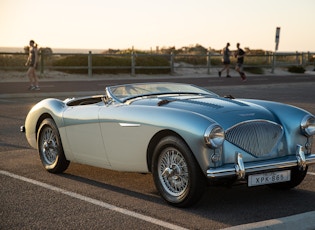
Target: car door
[84, 135]
[126, 136]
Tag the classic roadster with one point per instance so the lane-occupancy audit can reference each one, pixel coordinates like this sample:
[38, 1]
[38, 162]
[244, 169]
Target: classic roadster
[186, 136]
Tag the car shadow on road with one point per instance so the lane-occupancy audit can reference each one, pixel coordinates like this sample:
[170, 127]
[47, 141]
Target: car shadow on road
[240, 204]
[118, 182]
[227, 205]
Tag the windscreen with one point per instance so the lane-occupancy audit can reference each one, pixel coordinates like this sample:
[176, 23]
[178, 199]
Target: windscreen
[125, 92]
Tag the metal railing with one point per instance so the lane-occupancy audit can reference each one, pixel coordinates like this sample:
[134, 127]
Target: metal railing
[208, 61]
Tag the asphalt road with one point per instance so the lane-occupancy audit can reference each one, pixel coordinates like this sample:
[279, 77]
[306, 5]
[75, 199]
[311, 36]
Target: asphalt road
[60, 87]
[88, 197]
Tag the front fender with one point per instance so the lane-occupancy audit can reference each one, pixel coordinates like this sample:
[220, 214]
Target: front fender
[287, 115]
[45, 108]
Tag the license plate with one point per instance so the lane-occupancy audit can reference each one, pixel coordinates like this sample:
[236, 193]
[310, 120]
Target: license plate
[269, 178]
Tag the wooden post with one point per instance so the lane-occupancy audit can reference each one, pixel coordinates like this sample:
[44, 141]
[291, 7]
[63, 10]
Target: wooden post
[273, 62]
[172, 63]
[90, 64]
[297, 61]
[133, 63]
[42, 56]
[208, 62]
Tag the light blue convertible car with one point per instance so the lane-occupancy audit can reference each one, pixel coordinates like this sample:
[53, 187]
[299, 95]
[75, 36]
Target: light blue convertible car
[184, 135]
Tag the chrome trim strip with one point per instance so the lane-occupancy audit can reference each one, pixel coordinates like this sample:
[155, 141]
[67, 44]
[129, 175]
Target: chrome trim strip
[129, 125]
[231, 170]
[251, 121]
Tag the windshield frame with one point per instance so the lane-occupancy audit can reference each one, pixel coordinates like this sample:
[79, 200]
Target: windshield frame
[126, 92]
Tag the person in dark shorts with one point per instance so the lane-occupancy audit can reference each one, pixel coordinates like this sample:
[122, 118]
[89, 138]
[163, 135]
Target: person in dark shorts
[226, 60]
[32, 64]
[239, 54]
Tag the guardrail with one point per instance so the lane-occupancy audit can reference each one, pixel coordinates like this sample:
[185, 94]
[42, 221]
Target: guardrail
[208, 61]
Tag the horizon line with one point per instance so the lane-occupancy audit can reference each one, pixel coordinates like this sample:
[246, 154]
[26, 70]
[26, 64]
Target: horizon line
[15, 48]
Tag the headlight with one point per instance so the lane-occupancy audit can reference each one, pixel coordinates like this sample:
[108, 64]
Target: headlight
[308, 125]
[214, 136]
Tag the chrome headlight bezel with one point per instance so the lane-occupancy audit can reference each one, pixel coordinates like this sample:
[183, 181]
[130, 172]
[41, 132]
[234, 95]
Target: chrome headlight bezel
[214, 136]
[308, 125]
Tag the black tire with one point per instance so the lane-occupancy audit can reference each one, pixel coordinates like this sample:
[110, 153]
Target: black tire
[50, 147]
[176, 173]
[297, 176]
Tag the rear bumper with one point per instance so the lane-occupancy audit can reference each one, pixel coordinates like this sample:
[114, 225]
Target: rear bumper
[241, 169]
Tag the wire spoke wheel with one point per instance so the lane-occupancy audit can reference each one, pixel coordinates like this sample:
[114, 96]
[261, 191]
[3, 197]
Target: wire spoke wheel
[173, 172]
[176, 173]
[50, 147]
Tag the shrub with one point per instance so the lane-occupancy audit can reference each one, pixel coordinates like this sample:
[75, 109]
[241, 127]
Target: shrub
[296, 69]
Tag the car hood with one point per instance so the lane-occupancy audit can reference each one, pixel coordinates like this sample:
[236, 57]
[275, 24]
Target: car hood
[225, 111]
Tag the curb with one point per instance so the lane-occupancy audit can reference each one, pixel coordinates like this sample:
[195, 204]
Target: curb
[305, 221]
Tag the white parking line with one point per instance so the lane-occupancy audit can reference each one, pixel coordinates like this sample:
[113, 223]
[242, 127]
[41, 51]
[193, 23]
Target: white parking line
[311, 173]
[94, 201]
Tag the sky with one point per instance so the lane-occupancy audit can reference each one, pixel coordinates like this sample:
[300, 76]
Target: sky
[147, 24]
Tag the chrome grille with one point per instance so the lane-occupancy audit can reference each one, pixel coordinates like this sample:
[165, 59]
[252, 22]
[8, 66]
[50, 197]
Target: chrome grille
[257, 137]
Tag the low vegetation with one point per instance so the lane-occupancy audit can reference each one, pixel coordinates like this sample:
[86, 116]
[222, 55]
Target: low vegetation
[145, 62]
[112, 64]
[7, 60]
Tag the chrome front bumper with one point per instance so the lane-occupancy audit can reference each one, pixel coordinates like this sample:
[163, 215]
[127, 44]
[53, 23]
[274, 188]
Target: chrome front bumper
[241, 169]
[22, 129]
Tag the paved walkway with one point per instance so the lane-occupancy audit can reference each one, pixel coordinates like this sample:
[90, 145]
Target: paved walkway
[57, 84]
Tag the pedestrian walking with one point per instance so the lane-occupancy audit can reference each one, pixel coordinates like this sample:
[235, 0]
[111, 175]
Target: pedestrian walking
[32, 64]
[239, 54]
[226, 60]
